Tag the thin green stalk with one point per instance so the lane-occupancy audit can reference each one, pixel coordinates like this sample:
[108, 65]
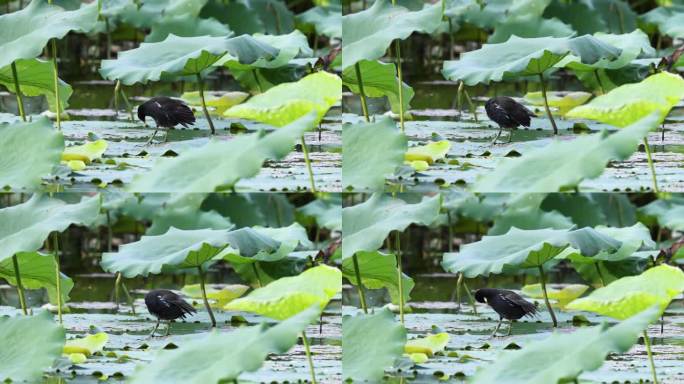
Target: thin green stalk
[459, 284]
[308, 165]
[20, 100]
[256, 274]
[58, 280]
[650, 165]
[129, 107]
[362, 93]
[305, 341]
[471, 299]
[459, 97]
[117, 87]
[546, 104]
[647, 343]
[400, 281]
[546, 296]
[359, 286]
[117, 286]
[598, 79]
[129, 299]
[256, 79]
[200, 83]
[473, 110]
[55, 73]
[598, 270]
[20, 287]
[204, 296]
[109, 39]
[400, 82]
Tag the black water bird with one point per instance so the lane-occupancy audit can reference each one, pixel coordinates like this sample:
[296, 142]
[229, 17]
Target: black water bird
[166, 305]
[508, 304]
[508, 113]
[166, 112]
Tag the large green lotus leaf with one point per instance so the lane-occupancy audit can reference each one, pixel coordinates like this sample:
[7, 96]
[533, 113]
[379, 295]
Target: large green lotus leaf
[669, 20]
[290, 46]
[181, 56]
[151, 12]
[630, 295]
[187, 27]
[237, 14]
[370, 344]
[371, 152]
[634, 238]
[285, 103]
[366, 35]
[176, 247]
[219, 296]
[563, 296]
[524, 57]
[186, 217]
[633, 45]
[25, 227]
[563, 165]
[30, 345]
[327, 213]
[249, 245]
[629, 103]
[222, 356]
[491, 13]
[27, 31]
[288, 296]
[590, 16]
[668, 213]
[379, 79]
[564, 101]
[326, 21]
[28, 151]
[365, 226]
[525, 213]
[294, 236]
[562, 357]
[216, 101]
[37, 270]
[378, 270]
[530, 26]
[220, 164]
[524, 249]
[36, 78]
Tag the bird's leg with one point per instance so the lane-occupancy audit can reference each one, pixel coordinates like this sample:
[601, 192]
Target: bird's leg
[497, 136]
[510, 137]
[153, 135]
[155, 329]
[510, 327]
[168, 328]
[497, 327]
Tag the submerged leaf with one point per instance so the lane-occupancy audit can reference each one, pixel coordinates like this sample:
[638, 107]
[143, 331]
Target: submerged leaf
[429, 153]
[370, 344]
[289, 296]
[30, 345]
[428, 344]
[86, 152]
[631, 103]
[86, 345]
[28, 151]
[287, 102]
[630, 295]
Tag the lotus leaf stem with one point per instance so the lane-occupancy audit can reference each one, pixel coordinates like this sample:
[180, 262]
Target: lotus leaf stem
[362, 93]
[650, 165]
[17, 89]
[542, 275]
[647, 343]
[400, 281]
[117, 87]
[117, 286]
[256, 80]
[400, 82]
[359, 285]
[108, 32]
[308, 165]
[598, 80]
[20, 287]
[546, 104]
[204, 296]
[256, 274]
[128, 297]
[305, 341]
[58, 275]
[55, 74]
[129, 108]
[471, 299]
[598, 270]
[200, 84]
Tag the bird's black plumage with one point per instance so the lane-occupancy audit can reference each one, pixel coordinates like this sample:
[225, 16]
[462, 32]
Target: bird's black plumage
[507, 113]
[166, 305]
[166, 112]
[508, 304]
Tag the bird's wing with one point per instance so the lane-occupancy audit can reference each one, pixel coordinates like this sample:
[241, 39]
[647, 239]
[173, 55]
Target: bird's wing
[514, 299]
[521, 114]
[178, 301]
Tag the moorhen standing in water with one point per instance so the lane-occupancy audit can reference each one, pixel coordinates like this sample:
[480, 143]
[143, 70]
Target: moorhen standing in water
[166, 305]
[508, 113]
[508, 304]
[166, 112]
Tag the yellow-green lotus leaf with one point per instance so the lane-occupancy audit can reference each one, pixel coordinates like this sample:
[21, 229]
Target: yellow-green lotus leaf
[629, 103]
[76, 165]
[427, 345]
[86, 152]
[217, 101]
[418, 165]
[288, 296]
[220, 297]
[562, 296]
[630, 295]
[418, 358]
[77, 358]
[287, 102]
[431, 152]
[564, 101]
[86, 345]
